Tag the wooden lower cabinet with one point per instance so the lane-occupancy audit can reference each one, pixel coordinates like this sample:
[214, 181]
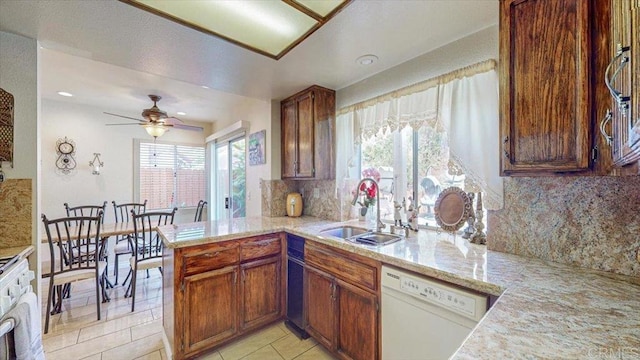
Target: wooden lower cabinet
[319, 293]
[217, 289]
[342, 315]
[261, 300]
[216, 292]
[357, 322]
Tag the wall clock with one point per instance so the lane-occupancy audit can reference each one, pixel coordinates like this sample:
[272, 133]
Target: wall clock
[66, 150]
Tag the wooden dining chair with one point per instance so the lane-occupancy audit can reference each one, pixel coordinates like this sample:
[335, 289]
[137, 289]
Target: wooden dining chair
[199, 210]
[122, 214]
[77, 253]
[147, 245]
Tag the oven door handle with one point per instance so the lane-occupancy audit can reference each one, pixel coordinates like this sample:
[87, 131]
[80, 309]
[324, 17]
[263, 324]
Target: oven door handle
[6, 327]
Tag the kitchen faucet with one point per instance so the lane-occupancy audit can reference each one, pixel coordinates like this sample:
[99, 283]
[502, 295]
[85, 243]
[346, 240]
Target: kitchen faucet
[379, 224]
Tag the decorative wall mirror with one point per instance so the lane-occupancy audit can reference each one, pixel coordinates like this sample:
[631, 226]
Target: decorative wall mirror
[6, 127]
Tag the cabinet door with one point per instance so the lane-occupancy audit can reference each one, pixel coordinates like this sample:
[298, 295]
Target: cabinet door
[357, 323]
[622, 120]
[261, 292]
[306, 123]
[320, 300]
[214, 290]
[289, 138]
[545, 110]
[634, 27]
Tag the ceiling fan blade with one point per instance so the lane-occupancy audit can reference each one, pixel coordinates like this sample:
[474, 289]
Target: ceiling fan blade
[123, 124]
[126, 117]
[188, 127]
[173, 120]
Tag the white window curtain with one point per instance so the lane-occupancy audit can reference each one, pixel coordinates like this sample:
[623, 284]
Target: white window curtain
[469, 113]
[463, 103]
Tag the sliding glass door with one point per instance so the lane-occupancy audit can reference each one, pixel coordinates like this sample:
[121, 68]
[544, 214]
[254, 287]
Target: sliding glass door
[230, 175]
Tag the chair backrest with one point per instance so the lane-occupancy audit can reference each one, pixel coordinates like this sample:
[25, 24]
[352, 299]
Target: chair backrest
[147, 243]
[85, 210]
[74, 242]
[122, 212]
[201, 205]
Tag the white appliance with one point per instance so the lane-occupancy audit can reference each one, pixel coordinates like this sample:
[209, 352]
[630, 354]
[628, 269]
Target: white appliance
[424, 319]
[15, 289]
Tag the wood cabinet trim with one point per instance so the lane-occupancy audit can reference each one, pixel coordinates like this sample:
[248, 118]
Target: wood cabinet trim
[355, 269]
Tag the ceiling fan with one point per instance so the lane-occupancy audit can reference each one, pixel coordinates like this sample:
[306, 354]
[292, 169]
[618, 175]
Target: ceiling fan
[156, 121]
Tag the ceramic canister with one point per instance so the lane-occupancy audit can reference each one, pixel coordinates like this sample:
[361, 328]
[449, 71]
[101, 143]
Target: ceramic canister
[294, 205]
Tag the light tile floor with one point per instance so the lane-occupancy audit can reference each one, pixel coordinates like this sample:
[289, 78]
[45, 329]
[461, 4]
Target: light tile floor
[120, 334]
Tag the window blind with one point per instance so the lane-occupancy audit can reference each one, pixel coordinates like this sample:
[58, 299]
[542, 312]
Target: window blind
[171, 175]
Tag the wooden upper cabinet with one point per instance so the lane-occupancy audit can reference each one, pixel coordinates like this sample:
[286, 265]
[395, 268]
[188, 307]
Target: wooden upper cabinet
[624, 77]
[547, 89]
[308, 133]
[289, 111]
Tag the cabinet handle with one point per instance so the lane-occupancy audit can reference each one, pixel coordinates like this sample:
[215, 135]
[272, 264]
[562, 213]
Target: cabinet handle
[243, 275]
[623, 101]
[504, 151]
[603, 123]
[210, 255]
[235, 276]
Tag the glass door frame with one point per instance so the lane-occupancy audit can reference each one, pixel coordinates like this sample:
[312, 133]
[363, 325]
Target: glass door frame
[223, 204]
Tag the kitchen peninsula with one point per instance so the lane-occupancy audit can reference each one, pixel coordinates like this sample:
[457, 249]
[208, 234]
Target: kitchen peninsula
[543, 309]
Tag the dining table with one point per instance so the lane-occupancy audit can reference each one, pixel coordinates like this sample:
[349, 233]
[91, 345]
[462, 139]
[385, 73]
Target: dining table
[106, 230]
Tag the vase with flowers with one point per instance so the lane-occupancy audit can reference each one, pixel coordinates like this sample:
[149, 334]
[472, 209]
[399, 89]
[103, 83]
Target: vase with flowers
[367, 193]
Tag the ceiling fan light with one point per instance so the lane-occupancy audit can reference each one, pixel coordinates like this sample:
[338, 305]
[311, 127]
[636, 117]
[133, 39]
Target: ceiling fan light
[155, 130]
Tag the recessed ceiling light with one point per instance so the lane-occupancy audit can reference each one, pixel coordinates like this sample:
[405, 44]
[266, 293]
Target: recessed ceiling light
[204, 87]
[181, 113]
[366, 59]
[64, 93]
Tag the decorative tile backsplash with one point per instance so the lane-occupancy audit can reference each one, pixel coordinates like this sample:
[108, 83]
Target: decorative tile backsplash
[15, 212]
[591, 222]
[329, 204]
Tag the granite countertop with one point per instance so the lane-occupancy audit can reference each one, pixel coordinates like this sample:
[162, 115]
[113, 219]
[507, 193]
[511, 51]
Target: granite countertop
[544, 309]
[23, 251]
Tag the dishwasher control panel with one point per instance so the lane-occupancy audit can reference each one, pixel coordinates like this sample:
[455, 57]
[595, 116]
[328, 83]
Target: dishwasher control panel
[460, 301]
[440, 295]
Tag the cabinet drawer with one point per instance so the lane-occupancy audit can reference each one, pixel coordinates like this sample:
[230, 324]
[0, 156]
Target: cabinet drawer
[260, 247]
[196, 262]
[345, 267]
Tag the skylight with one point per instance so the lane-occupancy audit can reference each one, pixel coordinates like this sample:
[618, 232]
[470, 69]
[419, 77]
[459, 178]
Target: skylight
[268, 27]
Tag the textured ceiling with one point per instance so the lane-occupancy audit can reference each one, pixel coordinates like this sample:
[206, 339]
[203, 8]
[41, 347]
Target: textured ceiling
[113, 54]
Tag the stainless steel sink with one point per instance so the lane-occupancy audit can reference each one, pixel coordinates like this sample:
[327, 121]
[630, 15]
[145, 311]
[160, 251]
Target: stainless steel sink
[361, 236]
[376, 238]
[345, 232]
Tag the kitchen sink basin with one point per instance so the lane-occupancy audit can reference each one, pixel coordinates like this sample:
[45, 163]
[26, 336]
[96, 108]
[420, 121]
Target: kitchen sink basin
[345, 232]
[361, 236]
[376, 238]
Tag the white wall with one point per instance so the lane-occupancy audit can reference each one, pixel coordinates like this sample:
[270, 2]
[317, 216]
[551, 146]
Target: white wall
[86, 126]
[258, 114]
[18, 75]
[469, 50]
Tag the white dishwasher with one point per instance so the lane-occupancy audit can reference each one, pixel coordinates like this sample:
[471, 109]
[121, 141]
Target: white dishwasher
[425, 319]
